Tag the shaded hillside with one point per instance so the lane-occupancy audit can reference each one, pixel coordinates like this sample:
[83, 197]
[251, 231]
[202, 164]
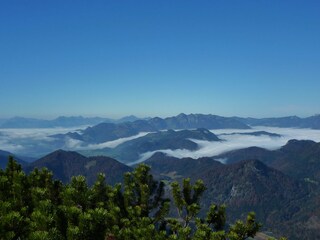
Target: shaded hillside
[36, 206]
[262, 154]
[65, 164]
[245, 186]
[171, 168]
[298, 158]
[130, 151]
[254, 178]
[250, 185]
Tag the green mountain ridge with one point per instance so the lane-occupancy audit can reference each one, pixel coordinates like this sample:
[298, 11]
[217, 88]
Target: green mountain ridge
[66, 164]
[278, 199]
[298, 158]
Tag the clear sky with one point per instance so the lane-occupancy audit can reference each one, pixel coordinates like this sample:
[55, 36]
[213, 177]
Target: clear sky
[113, 58]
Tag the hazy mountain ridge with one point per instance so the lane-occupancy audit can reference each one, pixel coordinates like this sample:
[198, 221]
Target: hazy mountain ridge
[181, 121]
[62, 121]
[291, 121]
[104, 132]
[191, 121]
[131, 150]
[110, 131]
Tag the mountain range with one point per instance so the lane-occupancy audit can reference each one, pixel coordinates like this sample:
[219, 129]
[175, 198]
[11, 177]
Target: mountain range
[104, 132]
[110, 131]
[62, 121]
[299, 159]
[285, 204]
[181, 121]
[131, 150]
[281, 186]
[287, 122]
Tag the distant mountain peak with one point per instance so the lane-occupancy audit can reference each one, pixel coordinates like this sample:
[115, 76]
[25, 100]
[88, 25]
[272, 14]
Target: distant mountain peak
[182, 115]
[295, 145]
[61, 151]
[130, 118]
[254, 166]
[63, 155]
[157, 155]
[66, 164]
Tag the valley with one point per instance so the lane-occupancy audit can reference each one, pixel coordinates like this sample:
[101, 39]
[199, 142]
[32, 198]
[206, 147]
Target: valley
[273, 171]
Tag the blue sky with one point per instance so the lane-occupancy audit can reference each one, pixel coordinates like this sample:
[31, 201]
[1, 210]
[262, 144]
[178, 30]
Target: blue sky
[114, 58]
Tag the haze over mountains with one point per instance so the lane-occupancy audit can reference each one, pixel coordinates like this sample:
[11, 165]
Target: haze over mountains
[223, 91]
[181, 121]
[253, 179]
[131, 150]
[106, 138]
[62, 121]
[110, 131]
[273, 170]
[291, 121]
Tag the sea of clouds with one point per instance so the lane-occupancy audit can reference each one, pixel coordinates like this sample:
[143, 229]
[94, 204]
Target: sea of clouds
[75, 144]
[238, 141]
[32, 141]
[37, 142]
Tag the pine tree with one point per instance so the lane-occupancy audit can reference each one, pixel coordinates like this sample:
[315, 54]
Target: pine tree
[37, 207]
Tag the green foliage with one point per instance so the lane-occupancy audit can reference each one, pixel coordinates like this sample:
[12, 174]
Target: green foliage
[241, 230]
[214, 225]
[187, 200]
[37, 207]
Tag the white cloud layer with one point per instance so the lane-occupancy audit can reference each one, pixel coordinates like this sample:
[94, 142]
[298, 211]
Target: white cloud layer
[36, 142]
[238, 141]
[24, 141]
[79, 145]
